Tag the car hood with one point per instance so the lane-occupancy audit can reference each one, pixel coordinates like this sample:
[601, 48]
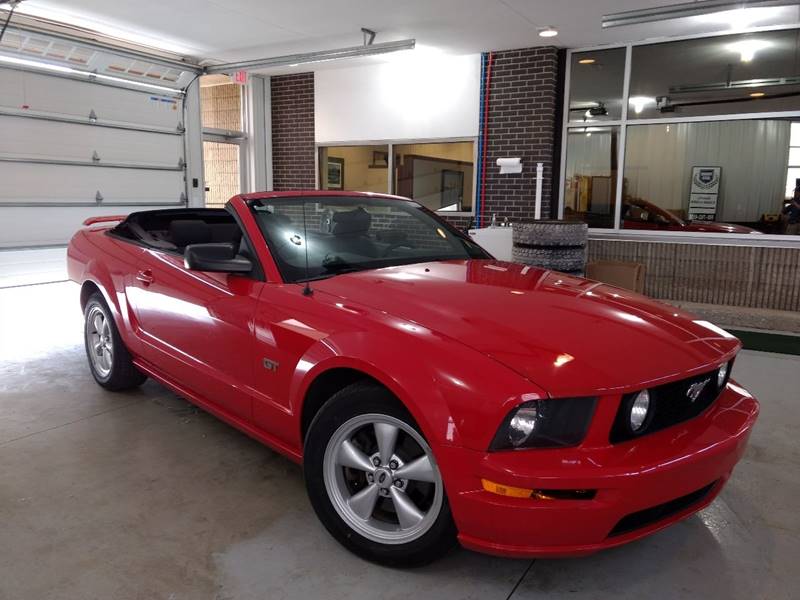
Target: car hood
[715, 227]
[569, 336]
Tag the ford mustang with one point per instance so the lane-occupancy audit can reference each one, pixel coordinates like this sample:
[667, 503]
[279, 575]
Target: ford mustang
[430, 392]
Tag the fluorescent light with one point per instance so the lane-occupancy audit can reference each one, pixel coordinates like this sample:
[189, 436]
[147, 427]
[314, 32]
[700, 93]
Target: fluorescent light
[757, 94]
[741, 18]
[548, 32]
[687, 9]
[313, 57]
[35, 64]
[586, 61]
[747, 48]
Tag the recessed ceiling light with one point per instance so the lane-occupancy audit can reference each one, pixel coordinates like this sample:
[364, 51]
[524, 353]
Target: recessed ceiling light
[757, 94]
[548, 32]
[586, 61]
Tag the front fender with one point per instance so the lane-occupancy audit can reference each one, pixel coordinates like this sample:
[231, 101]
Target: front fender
[456, 395]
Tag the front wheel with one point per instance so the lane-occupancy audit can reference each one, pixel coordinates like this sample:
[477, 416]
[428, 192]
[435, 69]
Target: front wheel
[373, 480]
[109, 360]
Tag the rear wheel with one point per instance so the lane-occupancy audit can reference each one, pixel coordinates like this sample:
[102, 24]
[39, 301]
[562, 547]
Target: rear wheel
[109, 359]
[373, 480]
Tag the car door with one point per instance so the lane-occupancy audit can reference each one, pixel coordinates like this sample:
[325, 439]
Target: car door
[197, 327]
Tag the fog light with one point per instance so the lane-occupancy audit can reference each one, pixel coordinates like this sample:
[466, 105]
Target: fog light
[640, 409]
[722, 375]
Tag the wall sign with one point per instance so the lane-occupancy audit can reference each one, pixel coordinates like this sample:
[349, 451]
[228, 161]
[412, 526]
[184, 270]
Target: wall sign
[704, 193]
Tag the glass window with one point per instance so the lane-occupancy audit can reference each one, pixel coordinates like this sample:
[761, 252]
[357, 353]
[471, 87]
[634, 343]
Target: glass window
[753, 72]
[437, 175]
[591, 175]
[793, 172]
[220, 172]
[220, 103]
[718, 176]
[596, 83]
[314, 238]
[354, 168]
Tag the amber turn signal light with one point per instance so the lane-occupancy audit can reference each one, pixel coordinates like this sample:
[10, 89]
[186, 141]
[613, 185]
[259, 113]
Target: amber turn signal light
[517, 492]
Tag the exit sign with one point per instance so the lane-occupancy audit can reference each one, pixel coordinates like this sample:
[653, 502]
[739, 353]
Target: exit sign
[240, 77]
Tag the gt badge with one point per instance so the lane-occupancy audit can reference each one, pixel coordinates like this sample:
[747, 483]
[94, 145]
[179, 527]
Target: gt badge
[694, 391]
[270, 365]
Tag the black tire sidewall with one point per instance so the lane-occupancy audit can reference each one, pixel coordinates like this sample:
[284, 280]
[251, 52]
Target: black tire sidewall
[352, 401]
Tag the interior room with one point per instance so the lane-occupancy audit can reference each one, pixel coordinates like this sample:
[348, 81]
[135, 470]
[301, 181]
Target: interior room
[438, 299]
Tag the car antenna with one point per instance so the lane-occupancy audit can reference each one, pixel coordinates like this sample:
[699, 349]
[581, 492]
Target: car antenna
[307, 291]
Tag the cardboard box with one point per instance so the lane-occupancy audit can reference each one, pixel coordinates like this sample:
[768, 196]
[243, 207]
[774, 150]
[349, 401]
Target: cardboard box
[628, 275]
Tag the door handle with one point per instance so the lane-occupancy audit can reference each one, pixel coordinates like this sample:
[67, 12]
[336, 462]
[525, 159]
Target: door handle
[146, 277]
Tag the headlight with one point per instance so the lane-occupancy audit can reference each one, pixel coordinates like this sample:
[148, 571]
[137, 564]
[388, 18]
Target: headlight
[722, 375]
[549, 423]
[640, 410]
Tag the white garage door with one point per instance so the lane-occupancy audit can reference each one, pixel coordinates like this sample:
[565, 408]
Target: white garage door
[71, 148]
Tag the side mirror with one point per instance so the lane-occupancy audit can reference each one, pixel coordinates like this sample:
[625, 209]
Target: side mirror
[217, 258]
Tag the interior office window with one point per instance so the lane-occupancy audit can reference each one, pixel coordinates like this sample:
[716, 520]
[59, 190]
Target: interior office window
[591, 175]
[354, 168]
[745, 73]
[793, 172]
[596, 82]
[437, 175]
[220, 103]
[716, 176]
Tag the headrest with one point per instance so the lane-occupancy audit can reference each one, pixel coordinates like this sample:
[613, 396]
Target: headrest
[189, 231]
[352, 221]
[226, 232]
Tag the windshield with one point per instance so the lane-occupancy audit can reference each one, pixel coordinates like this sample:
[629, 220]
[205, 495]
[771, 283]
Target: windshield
[344, 234]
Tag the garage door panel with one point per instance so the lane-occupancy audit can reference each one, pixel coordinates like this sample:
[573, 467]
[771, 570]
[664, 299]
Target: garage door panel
[45, 139]
[67, 97]
[23, 227]
[23, 182]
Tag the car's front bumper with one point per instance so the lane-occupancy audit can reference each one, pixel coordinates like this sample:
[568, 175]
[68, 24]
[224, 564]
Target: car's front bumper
[673, 464]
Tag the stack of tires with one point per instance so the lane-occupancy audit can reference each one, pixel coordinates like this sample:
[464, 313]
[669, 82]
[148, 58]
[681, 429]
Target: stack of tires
[556, 245]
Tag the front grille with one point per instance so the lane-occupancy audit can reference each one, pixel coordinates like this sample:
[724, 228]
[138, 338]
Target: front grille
[671, 404]
[651, 515]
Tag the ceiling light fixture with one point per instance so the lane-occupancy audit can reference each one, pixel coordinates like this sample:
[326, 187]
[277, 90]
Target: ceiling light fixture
[313, 57]
[586, 61]
[747, 48]
[550, 31]
[687, 9]
[757, 95]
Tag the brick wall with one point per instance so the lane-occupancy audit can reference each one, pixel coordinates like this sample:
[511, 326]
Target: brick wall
[522, 123]
[293, 132]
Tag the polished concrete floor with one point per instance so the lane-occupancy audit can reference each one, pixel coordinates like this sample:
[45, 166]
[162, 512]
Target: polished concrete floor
[141, 496]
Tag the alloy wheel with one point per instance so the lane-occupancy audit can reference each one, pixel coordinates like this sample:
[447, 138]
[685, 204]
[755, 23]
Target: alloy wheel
[382, 479]
[101, 344]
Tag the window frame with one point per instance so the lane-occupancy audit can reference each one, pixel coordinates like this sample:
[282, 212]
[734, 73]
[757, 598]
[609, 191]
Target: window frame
[617, 232]
[402, 142]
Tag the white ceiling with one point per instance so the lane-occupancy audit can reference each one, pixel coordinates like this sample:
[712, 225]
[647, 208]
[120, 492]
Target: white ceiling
[227, 30]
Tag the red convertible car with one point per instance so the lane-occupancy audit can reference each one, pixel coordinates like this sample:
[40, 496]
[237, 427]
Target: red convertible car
[430, 392]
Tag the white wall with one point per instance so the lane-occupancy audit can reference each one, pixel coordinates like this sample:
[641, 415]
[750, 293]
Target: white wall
[416, 96]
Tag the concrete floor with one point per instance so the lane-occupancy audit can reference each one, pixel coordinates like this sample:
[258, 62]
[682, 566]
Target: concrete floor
[32, 266]
[141, 496]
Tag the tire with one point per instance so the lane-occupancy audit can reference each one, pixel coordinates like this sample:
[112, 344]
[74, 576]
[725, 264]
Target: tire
[380, 535]
[550, 233]
[557, 259]
[109, 360]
